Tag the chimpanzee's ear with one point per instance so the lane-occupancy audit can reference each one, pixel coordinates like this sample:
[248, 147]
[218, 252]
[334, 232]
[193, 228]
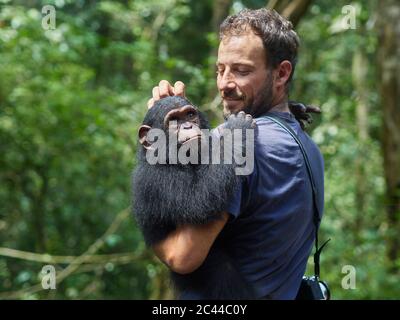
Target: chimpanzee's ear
[143, 131]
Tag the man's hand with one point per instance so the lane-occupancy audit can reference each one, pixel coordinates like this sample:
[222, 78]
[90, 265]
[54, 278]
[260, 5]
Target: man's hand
[165, 89]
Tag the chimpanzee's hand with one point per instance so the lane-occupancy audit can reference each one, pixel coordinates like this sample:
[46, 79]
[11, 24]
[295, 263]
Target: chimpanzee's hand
[240, 121]
[165, 89]
[243, 144]
[302, 112]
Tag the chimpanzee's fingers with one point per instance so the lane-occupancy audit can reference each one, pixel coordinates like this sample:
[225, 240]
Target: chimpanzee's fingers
[303, 116]
[241, 114]
[297, 107]
[179, 89]
[253, 123]
[165, 89]
[248, 117]
[150, 103]
[313, 109]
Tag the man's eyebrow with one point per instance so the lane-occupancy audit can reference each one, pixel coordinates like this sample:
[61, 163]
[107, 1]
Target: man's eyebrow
[238, 64]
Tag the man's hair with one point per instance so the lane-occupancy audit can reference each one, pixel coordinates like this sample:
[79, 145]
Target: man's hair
[279, 39]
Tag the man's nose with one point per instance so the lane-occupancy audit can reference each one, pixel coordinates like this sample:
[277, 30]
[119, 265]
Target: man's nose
[226, 82]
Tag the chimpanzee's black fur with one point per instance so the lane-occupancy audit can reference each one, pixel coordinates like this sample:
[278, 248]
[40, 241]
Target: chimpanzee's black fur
[167, 195]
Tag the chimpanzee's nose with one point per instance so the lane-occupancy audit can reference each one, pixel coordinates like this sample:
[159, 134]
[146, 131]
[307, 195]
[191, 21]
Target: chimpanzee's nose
[187, 125]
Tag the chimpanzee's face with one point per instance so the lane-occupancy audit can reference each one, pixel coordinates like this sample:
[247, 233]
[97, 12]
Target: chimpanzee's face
[178, 119]
[184, 122]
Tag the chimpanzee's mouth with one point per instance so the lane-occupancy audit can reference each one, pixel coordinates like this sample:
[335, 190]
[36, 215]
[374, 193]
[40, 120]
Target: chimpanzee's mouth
[192, 139]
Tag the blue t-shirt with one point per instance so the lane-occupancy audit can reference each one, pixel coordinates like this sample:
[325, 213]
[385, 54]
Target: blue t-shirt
[270, 232]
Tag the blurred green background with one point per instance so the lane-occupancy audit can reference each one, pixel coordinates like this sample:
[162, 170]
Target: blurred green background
[71, 100]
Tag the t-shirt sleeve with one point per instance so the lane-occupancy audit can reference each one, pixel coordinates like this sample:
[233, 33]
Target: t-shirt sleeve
[234, 205]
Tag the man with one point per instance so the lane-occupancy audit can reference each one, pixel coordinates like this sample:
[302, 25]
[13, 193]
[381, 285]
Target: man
[268, 227]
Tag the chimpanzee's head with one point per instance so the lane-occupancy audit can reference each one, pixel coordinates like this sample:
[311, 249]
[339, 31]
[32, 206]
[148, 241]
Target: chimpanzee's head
[176, 116]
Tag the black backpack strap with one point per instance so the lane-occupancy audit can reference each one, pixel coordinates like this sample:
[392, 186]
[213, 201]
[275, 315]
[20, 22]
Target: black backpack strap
[283, 124]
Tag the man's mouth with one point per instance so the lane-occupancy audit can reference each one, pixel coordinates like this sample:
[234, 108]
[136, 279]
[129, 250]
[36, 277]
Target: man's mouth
[232, 103]
[232, 99]
[231, 96]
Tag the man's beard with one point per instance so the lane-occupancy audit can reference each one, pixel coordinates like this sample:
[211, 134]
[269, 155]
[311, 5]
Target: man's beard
[262, 102]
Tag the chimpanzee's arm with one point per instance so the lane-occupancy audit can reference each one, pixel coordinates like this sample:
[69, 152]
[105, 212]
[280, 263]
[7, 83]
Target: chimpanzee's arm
[185, 249]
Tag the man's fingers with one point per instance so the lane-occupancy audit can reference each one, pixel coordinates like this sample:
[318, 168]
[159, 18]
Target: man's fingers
[179, 89]
[156, 93]
[150, 103]
[165, 89]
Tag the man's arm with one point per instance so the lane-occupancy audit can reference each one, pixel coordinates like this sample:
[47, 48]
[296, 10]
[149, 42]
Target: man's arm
[185, 249]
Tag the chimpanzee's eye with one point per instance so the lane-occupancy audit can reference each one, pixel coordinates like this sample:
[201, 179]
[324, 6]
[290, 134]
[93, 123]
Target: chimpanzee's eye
[191, 114]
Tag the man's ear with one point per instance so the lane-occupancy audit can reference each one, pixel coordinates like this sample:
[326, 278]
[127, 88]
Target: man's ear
[143, 131]
[283, 72]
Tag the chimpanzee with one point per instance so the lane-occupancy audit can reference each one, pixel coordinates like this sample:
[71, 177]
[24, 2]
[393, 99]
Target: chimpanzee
[172, 193]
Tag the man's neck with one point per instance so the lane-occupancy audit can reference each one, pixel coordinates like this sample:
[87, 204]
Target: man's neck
[281, 107]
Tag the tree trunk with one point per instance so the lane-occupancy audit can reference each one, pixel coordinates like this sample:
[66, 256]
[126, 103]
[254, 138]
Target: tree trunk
[291, 10]
[359, 75]
[37, 200]
[220, 12]
[389, 79]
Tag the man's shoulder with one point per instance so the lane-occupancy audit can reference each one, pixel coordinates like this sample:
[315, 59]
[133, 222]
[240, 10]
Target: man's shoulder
[271, 134]
[272, 138]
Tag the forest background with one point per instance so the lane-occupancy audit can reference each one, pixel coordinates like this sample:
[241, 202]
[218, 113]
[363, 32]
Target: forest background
[74, 90]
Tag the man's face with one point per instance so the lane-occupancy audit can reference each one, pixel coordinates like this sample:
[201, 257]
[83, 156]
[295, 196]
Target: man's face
[243, 79]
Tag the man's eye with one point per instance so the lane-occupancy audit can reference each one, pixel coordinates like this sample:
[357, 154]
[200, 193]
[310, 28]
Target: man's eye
[243, 72]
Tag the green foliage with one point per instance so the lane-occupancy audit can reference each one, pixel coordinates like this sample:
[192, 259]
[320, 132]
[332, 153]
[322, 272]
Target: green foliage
[70, 103]
[358, 230]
